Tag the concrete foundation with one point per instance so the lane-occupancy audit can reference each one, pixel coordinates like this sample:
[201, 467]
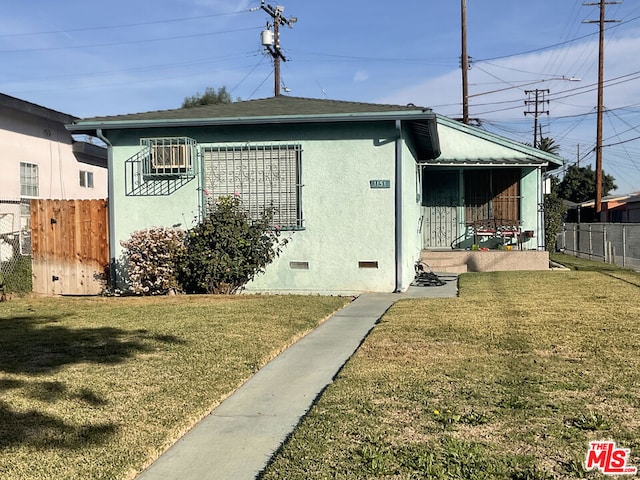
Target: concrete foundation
[460, 261]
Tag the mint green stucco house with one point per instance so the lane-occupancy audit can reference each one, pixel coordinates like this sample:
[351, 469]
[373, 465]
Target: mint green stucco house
[360, 188]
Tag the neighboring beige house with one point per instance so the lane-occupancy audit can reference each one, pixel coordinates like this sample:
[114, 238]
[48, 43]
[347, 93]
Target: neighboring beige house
[40, 159]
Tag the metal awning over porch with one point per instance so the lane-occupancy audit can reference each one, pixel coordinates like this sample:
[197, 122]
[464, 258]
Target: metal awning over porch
[484, 162]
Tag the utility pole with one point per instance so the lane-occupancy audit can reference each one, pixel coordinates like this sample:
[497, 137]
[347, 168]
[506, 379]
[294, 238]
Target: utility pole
[539, 99]
[464, 65]
[602, 4]
[271, 40]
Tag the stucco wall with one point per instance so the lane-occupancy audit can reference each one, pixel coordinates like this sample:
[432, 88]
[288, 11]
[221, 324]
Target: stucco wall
[529, 206]
[345, 220]
[463, 144]
[411, 218]
[35, 140]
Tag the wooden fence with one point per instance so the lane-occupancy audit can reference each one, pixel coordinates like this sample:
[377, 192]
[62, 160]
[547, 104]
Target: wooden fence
[70, 247]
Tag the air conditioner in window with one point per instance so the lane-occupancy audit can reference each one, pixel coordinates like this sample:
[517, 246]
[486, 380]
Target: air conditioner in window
[170, 159]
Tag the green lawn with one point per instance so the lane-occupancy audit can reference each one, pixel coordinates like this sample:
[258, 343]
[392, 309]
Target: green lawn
[509, 381]
[95, 388]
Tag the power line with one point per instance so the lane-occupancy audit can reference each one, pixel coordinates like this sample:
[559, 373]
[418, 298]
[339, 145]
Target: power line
[621, 142]
[248, 74]
[130, 42]
[259, 86]
[432, 61]
[125, 25]
[564, 94]
[549, 47]
[147, 68]
[624, 148]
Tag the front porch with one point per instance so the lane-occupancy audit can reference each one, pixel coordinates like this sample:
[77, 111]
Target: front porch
[462, 261]
[473, 208]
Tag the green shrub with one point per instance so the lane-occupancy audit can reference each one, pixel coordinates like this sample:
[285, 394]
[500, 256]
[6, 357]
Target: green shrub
[554, 211]
[16, 275]
[226, 250]
[151, 257]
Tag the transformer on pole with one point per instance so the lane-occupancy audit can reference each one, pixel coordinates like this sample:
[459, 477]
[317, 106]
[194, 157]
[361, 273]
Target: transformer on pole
[271, 39]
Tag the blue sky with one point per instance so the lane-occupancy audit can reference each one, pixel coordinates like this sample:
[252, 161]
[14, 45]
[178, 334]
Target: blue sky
[135, 56]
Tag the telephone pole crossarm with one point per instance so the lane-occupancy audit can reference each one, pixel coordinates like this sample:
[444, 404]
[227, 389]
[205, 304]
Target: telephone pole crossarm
[272, 42]
[539, 99]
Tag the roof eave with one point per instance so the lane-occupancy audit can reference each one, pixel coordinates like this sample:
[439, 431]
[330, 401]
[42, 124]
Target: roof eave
[29, 108]
[81, 126]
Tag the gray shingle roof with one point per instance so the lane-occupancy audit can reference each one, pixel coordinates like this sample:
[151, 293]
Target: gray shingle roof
[282, 106]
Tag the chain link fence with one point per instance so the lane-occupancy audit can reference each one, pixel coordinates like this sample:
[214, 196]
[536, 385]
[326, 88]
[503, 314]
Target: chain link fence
[15, 246]
[617, 243]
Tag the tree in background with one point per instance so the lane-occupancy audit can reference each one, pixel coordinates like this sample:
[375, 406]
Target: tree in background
[579, 184]
[549, 145]
[554, 212]
[210, 97]
[554, 207]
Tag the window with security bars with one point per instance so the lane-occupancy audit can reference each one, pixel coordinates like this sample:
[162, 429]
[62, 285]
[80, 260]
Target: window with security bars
[169, 156]
[263, 176]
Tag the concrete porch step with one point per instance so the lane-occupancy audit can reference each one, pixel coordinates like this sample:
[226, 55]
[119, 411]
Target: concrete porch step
[444, 262]
[461, 261]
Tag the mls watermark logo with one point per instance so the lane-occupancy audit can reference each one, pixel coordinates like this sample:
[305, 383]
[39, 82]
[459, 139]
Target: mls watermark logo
[610, 460]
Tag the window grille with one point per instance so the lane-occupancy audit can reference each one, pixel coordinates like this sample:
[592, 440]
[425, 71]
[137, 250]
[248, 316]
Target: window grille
[29, 183]
[162, 166]
[263, 176]
[169, 156]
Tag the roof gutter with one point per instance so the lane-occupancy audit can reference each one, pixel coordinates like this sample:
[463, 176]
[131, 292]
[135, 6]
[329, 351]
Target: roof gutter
[206, 122]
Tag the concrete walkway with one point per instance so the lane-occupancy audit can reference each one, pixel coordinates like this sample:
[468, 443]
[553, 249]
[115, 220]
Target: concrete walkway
[237, 440]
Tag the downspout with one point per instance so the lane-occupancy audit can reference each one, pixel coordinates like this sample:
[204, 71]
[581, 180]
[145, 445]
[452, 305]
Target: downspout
[110, 197]
[398, 208]
[202, 189]
[540, 233]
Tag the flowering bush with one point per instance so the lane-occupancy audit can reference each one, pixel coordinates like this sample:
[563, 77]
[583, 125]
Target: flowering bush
[152, 256]
[228, 248]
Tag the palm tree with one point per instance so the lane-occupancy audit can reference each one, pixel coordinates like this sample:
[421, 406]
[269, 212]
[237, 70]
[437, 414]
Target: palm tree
[548, 145]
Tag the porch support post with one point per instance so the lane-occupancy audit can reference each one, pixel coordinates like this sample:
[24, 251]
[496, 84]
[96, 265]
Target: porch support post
[398, 208]
[203, 185]
[541, 235]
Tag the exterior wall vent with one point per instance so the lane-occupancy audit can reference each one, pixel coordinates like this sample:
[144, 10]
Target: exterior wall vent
[368, 264]
[299, 265]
